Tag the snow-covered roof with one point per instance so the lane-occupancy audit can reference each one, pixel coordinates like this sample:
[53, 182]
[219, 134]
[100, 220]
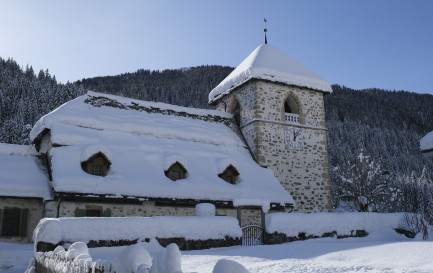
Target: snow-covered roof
[142, 140]
[20, 174]
[269, 63]
[426, 143]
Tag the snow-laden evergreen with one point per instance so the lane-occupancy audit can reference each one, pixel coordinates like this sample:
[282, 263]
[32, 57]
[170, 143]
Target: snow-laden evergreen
[25, 97]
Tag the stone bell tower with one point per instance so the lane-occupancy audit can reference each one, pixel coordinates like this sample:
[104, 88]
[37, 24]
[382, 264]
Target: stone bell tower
[279, 108]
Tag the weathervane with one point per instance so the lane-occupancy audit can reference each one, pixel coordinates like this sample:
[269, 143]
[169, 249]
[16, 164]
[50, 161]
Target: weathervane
[266, 40]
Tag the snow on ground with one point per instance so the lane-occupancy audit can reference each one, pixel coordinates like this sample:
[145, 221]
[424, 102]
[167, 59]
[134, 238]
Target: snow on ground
[14, 258]
[381, 251]
[388, 253]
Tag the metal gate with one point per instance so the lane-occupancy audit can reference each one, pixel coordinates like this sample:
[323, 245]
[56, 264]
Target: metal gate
[252, 235]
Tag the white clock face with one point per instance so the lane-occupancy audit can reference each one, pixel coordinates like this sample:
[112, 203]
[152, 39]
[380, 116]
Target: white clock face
[294, 139]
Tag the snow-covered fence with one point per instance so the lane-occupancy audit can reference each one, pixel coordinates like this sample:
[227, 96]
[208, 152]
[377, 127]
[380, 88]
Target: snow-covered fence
[285, 227]
[189, 232]
[76, 259]
[132, 259]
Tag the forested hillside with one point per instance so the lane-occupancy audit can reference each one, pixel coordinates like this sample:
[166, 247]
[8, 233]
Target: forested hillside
[25, 97]
[384, 125]
[187, 87]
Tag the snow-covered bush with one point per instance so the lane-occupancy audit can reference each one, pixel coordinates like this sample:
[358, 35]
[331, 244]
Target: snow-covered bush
[360, 182]
[167, 261]
[133, 259]
[205, 209]
[137, 259]
[77, 250]
[227, 266]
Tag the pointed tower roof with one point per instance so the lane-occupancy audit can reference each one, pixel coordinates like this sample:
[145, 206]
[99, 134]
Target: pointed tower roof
[426, 143]
[269, 63]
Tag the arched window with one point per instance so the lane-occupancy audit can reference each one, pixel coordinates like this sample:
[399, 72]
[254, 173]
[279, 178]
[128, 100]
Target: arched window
[98, 164]
[230, 175]
[176, 171]
[237, 113]
[291, 110]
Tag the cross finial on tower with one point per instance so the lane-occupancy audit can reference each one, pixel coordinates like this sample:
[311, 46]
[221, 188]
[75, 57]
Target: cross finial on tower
[266, 40]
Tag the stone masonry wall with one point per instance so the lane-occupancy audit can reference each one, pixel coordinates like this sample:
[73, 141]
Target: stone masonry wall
[35, 213]
[304, 173]
[148, 209]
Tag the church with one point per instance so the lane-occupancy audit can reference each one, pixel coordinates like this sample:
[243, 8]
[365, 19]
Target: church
[262, 150]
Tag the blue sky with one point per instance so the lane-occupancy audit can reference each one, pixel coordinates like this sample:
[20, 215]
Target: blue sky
[361, 44]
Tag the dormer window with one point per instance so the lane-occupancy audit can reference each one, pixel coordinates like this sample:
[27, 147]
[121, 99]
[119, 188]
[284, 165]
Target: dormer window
[98, 164]
[96, 170]
[176, 171]
[291, 110]
[229, 175]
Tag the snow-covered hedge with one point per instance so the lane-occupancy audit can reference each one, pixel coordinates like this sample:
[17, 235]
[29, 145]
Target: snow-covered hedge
[317, 224]
[56, 230]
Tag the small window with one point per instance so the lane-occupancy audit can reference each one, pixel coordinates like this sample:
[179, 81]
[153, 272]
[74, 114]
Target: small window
[291, 110]
[174, 175]
[97, 164]
[14, 222]
[176, 172]
[97, 170]
[11, 222]
[290, 106]
[229, 175]
[93, 213]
